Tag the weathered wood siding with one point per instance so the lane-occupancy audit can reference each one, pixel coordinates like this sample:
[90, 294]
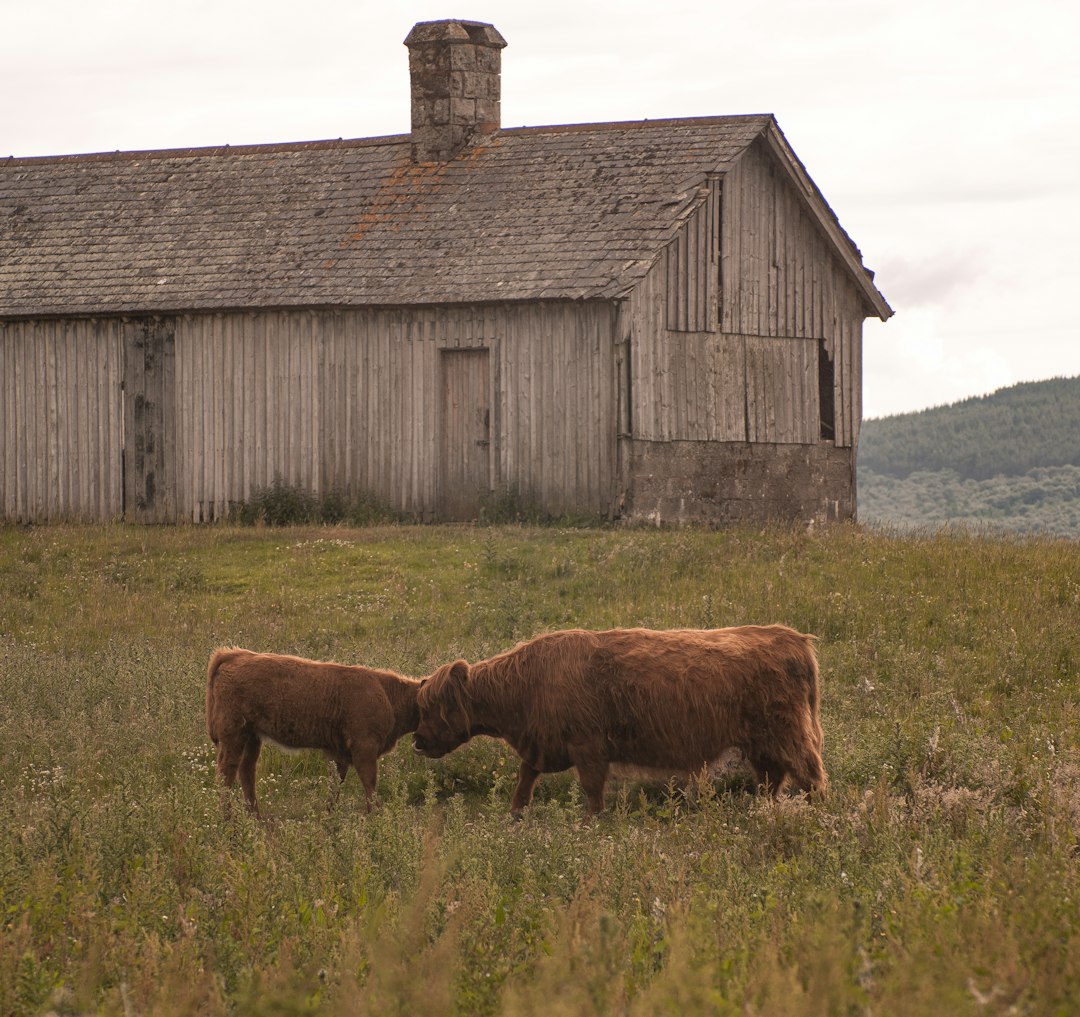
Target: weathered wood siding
[219, 406]
[350, 400]
[727, 326]
[779, 277]
[692, 268]
[61, 409]
[717, 386]
[149, 420]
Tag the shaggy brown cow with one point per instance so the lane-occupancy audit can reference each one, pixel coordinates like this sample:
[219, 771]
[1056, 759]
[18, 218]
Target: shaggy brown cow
[353, 714]
[668, 701]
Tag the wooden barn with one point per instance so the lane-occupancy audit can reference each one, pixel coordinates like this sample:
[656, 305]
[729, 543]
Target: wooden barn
[656, 320]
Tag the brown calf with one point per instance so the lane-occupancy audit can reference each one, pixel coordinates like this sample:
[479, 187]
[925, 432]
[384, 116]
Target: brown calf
[674, 701]
[353, 714]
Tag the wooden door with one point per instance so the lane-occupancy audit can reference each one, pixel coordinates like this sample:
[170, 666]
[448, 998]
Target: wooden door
[149, 413]
[464, 433]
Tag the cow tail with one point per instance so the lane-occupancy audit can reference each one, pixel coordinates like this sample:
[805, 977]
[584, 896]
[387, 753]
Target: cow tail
[812, 677]
[814, 697]
[211, 683]
[818, 780]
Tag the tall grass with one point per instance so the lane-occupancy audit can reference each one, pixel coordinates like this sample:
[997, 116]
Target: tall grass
[940, 876]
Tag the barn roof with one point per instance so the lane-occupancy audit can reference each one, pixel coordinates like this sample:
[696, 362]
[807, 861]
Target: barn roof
[571, 212]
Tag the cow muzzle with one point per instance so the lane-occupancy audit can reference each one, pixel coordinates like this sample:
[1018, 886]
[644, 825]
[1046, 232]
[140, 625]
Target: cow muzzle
[421, 746]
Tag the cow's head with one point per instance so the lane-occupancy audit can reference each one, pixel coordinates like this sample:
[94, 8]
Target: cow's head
[444, 716]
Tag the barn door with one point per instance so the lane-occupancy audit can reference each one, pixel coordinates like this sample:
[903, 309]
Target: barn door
[149, 410]
[464, 432]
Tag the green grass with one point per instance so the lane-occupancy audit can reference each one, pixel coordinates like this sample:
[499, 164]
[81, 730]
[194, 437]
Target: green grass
[940, 876]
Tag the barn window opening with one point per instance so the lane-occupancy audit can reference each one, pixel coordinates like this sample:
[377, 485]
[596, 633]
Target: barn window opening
[826, 390]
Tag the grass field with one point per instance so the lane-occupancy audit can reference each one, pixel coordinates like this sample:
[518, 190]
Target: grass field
[941, 875]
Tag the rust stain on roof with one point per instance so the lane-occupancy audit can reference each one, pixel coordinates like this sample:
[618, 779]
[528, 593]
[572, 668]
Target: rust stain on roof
[400, 192]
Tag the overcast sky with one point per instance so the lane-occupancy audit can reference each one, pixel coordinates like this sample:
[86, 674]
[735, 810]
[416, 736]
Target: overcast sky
[944, 133]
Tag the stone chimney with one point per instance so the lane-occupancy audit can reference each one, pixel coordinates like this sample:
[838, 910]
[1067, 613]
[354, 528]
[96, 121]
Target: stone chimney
[455, 70]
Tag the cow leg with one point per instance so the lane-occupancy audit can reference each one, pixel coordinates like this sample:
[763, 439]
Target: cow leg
[592, 771]
[365, 760]
[811, 777]
[339, 766]
[228, 761]
[770, 774]
[528, 775]
[248, 759]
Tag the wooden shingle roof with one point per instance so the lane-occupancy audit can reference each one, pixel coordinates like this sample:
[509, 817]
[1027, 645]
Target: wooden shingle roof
[572, 212]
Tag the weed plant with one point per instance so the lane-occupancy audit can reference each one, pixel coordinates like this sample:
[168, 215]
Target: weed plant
[283, 504]
[939, 877]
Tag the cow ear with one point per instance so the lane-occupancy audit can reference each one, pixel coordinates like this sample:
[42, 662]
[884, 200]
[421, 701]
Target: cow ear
[459, 672]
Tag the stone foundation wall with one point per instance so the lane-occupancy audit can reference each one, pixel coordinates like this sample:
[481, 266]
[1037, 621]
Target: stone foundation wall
[726, 482]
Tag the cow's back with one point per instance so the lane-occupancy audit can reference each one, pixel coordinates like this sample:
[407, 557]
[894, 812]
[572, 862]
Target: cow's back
[684, 697]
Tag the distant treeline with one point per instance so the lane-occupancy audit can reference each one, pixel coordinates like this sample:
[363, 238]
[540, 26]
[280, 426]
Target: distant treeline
[1008, 433]
[1043, 500]
[1008, 461]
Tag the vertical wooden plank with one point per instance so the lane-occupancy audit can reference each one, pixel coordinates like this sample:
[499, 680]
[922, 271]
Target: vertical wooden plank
[714, 292]
[573, 434]
[211, 383]
[8, 343]
[168, 427]
[356, 337]
[19, 370]
[196, 392]
[41, 436]
[76, 372]
[412, 382]
[325, 396]
[203, 447]
[508, 394]
[338, 424]
[229, 413]
[30, 389]
[245, 398]
[313, 416]
[749, 266]
[105, 366]
[64, 450]
[280, 343]
[182, 417]
[214, 359]
[81, 440]
[527, 329]
[378, 400]
[255, 339]
[495, 343]
[731, 267]
[66, 344]
[346, 361]
[133, 392]
[382, 394]
[580, 328]
[367, 398]
[69, 344]
[193, 417]
[38, 506]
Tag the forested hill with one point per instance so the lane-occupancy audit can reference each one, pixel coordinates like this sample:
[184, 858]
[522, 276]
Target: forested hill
[1008, 432]
[1008, 461]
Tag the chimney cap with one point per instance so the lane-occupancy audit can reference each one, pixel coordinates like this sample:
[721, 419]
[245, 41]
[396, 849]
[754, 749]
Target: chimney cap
[455, 30]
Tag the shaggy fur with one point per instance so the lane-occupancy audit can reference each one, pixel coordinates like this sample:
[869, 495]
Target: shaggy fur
[353, 714]
[675, 700]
